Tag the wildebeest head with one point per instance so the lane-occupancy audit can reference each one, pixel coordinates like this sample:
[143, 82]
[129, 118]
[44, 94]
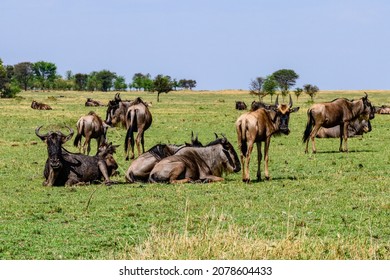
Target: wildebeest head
[282, 114]
[369, 110]
[233, 163]
[54, 141]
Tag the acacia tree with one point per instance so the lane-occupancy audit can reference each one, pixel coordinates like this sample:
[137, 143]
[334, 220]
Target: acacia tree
[298, 91]
[286, 78]
[45, 73]
[270, 86]
[256, 87]
[311, 90]
[24, 74]
[162, 84]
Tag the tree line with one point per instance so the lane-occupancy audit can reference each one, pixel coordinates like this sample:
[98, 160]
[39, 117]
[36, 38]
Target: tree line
[282, 80]
[42, 75]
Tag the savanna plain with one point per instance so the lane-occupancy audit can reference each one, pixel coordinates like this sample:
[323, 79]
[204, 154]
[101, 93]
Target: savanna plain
[328, 205]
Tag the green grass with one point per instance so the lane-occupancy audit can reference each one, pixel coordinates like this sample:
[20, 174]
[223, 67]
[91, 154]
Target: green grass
[328, 205]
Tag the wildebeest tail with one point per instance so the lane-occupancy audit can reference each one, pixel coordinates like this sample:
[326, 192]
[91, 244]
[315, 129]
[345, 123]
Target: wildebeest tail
[241, 129]
[309, 126]
[77, 139]
[132, 128]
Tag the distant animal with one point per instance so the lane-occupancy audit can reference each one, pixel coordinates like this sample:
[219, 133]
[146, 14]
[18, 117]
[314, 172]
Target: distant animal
[138, 120]
[258, 104]
[116, 111]
[92, 103]
[356, 127]
[384, 109]
[339, 112]
[197, 164]
[240, 105]
[258, 126]
[40, 106]
[140, 168]
[90, 126]
[65, 168]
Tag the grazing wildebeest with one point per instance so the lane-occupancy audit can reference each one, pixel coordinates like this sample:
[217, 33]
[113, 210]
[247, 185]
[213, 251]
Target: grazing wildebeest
[65, 168]
[240, 105]
[258, 104]
[40, 106]
[197, 164]
[90, 126]
[382, 110]
[258, 126]
[116, 111]
[93, 103]
[140, 168]
[138, 120]
[339, 112]
[355, 128]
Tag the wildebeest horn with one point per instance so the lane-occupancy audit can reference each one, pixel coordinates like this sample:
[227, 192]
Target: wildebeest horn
[40, 135]
[71, 132]
[216, 135]
[276, 101]
[290, 104]
[366, 95]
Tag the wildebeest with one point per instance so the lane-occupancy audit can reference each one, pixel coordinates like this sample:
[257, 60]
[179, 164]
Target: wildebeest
[258, 126]
[355, 128]
[65, 168]
[240, 105]
[197, 164]
[93, 103]
[339, 112]
[382, 110]
[40, 106]
[140, 168]
[117, 110]
[90, 126]
[138, 120]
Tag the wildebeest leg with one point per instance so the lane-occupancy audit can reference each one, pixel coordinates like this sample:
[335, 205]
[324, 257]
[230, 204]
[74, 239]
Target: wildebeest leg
[345, 136]
[266, 149]
[103, 169]
[246, 178]
[182, 181]
[50, 178]
[313, 137]
[259, 156]
[341, 137]
[211, 178]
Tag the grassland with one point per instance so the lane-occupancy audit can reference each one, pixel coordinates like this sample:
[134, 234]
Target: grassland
[328, 205]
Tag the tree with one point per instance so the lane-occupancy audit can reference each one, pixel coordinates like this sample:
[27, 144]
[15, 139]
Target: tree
[80, 81]
[311, 90]
[45, 73]
[162, 84]
[298, 91]
[142, 81]
[7, 89]
[286, 78]
[120, 83]
[105, 80]
[92, 82]
[256, 87]
[24, 74]
[270, 86]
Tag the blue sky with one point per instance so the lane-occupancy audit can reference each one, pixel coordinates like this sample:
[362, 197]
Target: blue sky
[222, 44]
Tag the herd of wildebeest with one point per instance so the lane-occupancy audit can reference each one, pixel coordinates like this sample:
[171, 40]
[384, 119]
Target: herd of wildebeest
[191, 162]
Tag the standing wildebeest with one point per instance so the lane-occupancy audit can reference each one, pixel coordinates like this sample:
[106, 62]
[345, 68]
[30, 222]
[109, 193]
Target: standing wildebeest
[138, 119]
[40, 106]
[258, 126]
[339, 112]
[191, 164]
[240, 105]
[355, 128]
[65, 168]
[90, 126]
[140, 168]
[92, 103]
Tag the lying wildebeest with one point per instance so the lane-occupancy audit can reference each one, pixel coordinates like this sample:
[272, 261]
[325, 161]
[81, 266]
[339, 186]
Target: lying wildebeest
[382, 110]
[138, 120]
[93, 103]
[116, 111]
[140, 168]
[258, 104]
[65, 168]
[90, 126]
[339, 112]
[197, 164]
[355, 128]
[40, 106]
[240, 105]
[258, 126]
